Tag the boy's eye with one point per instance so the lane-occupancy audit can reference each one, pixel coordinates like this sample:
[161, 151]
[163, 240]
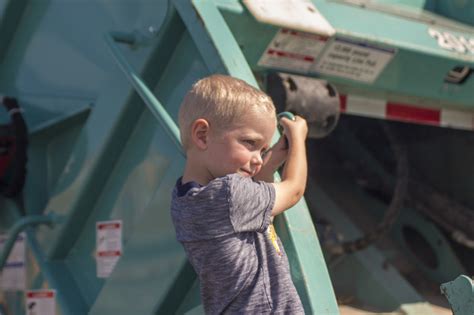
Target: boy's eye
[250, 142]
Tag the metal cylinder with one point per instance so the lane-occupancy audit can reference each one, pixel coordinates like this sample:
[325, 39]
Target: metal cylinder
[315, 100]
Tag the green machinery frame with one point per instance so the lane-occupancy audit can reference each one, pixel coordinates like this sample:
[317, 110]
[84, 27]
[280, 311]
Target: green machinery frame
[108, 149]
[195, 33]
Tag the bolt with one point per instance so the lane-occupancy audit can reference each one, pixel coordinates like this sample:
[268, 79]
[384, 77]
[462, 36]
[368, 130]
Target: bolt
[152, 30]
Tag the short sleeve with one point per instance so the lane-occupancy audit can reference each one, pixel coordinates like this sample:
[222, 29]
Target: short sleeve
[250, 203]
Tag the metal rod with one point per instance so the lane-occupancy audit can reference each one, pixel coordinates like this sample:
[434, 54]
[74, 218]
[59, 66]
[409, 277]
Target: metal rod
[48, 272]
[18, 227]
[140, 87]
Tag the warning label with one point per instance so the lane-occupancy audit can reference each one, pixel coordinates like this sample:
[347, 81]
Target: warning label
[40, 302]
[108, 246]
[293, 50]
[352, 60]
[13, 275]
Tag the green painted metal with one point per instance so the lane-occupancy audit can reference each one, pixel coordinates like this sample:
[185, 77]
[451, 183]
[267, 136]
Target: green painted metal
[20, 226]
[166, 307]
[169, 263]
[51, 139]
[462, 11]
[57, 277]
[52, 272]
[220, 44]
[402, 80]
[427, 11]
[147, 96]
[460, 294]
[10, 13]
[420, 4]
[185, 274]
[364, 275]
[104, 144]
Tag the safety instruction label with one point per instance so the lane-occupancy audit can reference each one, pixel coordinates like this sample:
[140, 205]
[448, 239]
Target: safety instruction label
[40, 302]
[108, 246]
[13, 276]
[293, 50]
[352, 60]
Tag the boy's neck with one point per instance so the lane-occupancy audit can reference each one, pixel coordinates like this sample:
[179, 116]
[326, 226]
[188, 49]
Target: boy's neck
[195, 171]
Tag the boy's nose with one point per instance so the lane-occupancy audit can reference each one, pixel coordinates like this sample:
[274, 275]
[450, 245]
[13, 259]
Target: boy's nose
[257, 159]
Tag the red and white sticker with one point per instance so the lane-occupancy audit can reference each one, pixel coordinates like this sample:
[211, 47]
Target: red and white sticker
[353, 60]
[40, 302]
[293, 50]
[108, 246]
[383, 109]
[13, 275]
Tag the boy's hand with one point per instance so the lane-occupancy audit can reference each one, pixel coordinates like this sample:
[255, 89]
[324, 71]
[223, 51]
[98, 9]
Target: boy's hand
[293, 178]
[294, 130]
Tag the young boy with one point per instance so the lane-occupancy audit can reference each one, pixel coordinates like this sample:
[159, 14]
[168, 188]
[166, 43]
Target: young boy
[223, 205]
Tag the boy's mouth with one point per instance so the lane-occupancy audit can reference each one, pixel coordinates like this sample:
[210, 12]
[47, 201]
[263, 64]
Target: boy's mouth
[249, 173]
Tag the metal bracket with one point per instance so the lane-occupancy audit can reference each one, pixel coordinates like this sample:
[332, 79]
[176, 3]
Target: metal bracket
[140, 87]
[49, 219]
[460, 294]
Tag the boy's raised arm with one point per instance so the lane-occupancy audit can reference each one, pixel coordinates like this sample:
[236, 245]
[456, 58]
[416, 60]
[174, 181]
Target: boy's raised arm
[293, 183]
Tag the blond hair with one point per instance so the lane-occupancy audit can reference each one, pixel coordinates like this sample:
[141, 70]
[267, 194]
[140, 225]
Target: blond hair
[221, 100]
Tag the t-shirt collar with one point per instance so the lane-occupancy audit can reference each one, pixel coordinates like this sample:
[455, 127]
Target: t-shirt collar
[184, 188]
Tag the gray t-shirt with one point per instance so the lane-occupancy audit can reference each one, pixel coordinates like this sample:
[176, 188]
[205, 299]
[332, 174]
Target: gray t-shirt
[225, 228]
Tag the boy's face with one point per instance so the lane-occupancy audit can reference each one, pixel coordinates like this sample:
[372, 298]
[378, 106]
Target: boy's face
[239, 148]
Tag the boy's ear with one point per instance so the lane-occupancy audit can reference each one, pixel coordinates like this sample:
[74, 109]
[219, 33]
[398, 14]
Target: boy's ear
[200, 133]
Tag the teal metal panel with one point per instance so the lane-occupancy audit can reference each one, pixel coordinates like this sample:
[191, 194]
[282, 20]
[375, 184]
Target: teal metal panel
[158, 111]
[10, 13]
[146, 158]
[462, 11]
[210, 39]
[167, 259]
[365, 274]
[171, 88]
[55, 275]
[39, 269]
[419, 4]
[101, 139]
[97, 153]
[163, 285]
[19, 227]
[396, 31]
[117, 161]
[152, 258]
[242, 23]
[460, 293]
[420, 65]
[50, 144]
[122, 190]
[58, 48]
[416, 73]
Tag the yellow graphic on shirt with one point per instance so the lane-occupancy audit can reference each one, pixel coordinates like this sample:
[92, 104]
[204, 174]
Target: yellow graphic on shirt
[274, 238]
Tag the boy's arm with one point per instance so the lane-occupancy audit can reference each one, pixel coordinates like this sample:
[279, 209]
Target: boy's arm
[292, 186]
[274, 158]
